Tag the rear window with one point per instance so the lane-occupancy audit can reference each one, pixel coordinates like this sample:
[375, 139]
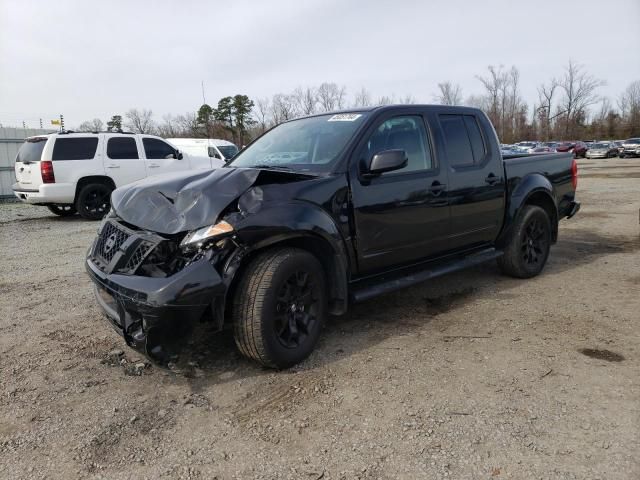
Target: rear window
[122, 148]
[31, 150]
[477, 144]
[75, 148]
[457, 143]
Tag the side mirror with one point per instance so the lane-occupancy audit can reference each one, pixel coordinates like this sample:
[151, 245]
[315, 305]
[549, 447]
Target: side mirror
[388, 161]
[178, 155]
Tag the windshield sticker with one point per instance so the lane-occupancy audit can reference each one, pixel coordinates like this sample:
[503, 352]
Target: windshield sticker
[345, 117]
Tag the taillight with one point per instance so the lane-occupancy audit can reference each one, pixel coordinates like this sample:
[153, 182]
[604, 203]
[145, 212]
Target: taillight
[46, 169]
[574, 174]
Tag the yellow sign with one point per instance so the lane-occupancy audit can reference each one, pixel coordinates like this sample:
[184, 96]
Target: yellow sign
[55, 122]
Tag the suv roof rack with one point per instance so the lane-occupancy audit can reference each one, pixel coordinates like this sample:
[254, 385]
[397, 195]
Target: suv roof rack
[66, 132]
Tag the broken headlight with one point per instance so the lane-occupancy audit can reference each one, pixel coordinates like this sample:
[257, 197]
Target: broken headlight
[198, 237]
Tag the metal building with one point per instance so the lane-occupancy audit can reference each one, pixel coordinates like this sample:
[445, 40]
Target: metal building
[10, 141]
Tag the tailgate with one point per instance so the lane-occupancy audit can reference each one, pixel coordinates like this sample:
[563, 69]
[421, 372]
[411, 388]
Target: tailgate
[27, 166]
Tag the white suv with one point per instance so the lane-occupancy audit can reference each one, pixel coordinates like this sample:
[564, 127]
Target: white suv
[71, 172]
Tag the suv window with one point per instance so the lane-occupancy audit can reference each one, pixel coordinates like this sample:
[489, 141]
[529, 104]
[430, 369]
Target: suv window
[31, 150]
[156, 149]
[456, 138]
[83, 148]
[122, 148]
[405, 133]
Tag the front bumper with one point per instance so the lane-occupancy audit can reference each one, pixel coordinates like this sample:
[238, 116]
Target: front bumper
[152, 313]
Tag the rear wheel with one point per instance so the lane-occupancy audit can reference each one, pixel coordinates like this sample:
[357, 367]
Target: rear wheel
[62, 210]
[528, 248]
[279, 307]
[93, 201]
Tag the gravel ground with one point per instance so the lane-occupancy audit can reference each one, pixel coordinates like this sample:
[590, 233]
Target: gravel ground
[471, 376]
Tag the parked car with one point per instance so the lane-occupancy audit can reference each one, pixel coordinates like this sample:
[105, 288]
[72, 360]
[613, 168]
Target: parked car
[526, 147]
[630, 148]
[618, 144]
[542, 150]
[602, 150]
[206, 147]
[579, 149]
[76, 172]
[316, 214]
[551, 145]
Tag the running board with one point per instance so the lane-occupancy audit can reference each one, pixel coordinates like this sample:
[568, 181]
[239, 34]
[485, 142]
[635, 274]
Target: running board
[391, 285]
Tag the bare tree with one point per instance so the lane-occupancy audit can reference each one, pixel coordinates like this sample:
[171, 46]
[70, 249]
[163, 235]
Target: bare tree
[188, 124]
[306, 100]
[140, 121]
[331, 97]
[449, 94]
[545, 97]
[385, 100]
[362, 98]
[94, 125]
[408, 99]
[262, 112]
[169, 128]
[629, 105]
[283, 108]
[579, 90]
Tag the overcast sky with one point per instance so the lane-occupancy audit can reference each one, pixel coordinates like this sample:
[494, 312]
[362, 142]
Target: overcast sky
[89, 59]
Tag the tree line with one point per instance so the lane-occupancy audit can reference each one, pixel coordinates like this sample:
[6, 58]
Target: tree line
[568, 106]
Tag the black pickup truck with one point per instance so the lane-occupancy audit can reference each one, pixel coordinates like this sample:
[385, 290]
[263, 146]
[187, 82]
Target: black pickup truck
[315, 214]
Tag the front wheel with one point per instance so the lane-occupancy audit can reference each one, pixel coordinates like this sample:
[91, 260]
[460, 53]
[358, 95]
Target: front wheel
[93, 201]
[528, 247]
[62, 210]
[279, 307]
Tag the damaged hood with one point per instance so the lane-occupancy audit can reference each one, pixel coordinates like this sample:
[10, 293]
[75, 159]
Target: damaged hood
[176, 203]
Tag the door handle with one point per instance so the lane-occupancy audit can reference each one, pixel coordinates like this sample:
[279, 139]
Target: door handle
[492, 179]
[113, 166]
[437, 188]
[154, 165]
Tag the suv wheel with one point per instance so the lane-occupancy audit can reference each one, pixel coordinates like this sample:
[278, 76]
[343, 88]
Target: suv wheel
[62, 210]
[93, 201]
[279, 307]
[528, 248]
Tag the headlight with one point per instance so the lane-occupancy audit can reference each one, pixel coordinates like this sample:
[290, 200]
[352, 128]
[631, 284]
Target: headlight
[198, 237]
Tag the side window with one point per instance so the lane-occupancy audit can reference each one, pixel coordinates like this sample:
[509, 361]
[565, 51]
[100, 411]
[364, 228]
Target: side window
[457, 143]
[406, 133]
[156, 149]
[122, 148]
[477, 143]
[83, 148]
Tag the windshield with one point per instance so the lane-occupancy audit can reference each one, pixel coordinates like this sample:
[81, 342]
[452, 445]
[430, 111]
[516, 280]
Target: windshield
[228, 151]
[31, 150]
[310, 144]
[633, 140]
[600, 145]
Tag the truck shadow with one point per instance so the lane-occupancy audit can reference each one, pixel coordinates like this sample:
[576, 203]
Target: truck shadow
[213, 359]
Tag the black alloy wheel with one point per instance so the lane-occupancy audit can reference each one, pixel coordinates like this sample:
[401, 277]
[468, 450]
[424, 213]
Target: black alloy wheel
[62, 210]
[93, 201]
[535, 243]
[296, 310]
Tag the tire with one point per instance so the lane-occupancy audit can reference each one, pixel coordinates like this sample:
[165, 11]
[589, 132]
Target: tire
[93, 201]
[279, 307]
[528, 247]
[62, 210]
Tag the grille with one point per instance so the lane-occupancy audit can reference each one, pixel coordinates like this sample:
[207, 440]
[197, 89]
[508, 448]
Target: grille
[139, 254]
[111, 239]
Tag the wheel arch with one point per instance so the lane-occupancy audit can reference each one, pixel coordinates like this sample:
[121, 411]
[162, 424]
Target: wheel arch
[82, 182]
[533, 189]
[331, 259]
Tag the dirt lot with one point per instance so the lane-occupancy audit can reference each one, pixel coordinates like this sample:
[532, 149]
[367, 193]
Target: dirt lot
[471, 376]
